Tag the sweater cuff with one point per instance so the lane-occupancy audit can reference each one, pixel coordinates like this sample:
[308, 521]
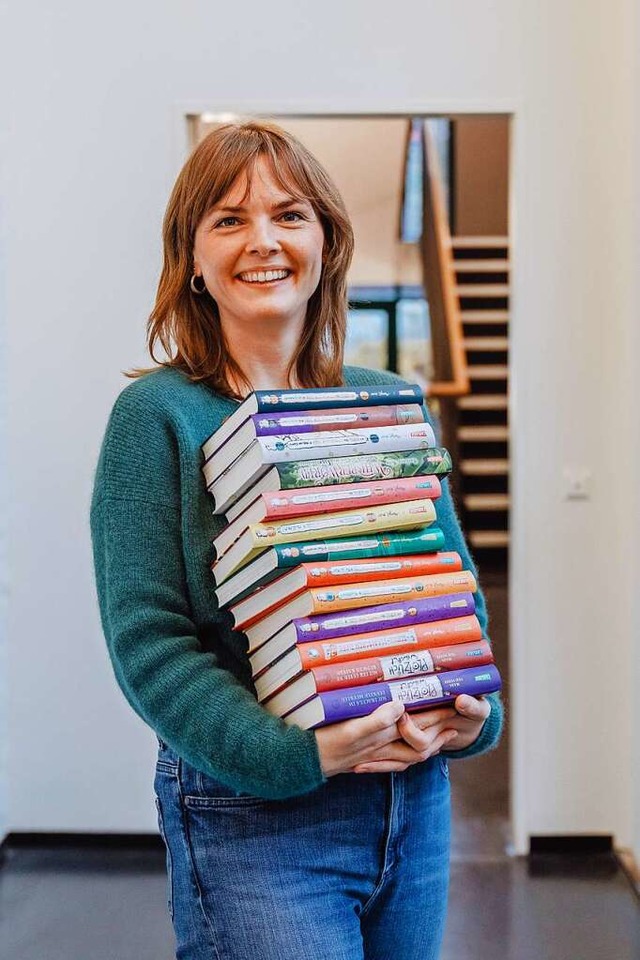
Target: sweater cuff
[489, 735]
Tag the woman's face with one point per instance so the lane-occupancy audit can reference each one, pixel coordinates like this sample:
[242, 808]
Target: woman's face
[260, 252]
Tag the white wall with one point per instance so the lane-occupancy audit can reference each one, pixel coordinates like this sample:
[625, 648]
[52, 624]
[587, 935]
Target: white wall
[96, 138]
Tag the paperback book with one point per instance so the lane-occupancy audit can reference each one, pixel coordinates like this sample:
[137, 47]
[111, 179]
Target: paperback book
[228, 481]
[326, 626]
[413, 514]
[274, 664]
[435, 461]
[313, 575]
[280, 557]
[267, 401]
[358, 673]
[417, 693]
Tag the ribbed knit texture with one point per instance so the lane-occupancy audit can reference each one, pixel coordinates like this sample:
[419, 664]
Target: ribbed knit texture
[177, 660]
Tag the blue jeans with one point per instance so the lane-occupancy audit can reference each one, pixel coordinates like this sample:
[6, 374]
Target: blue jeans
[356, 870]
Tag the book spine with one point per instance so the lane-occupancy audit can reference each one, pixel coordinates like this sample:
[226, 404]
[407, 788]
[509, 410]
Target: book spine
[327, 625]
[319, 398]
[357, 673]
[346, 571]
[299, 503]
[412, 513]
[435, 461]
[388, 544]
[422, 635]
[415, 693]
[389, 590]
[306, 421]
[341, 443]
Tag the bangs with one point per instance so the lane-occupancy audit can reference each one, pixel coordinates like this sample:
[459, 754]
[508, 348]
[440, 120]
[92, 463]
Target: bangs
[237, 157]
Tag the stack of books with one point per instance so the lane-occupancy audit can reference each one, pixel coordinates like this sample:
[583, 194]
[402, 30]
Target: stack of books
[331, 561]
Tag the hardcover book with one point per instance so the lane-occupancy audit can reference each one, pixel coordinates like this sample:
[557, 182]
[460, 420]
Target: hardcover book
[348, 596]
[417, 693]
[327, 626]
[311, 575]
[268, 401]
[314, 421]
[280, 557]
[281, 504]
[436, 461]
[228, 481]
[412, 514]
[275, 663]
[358, 673]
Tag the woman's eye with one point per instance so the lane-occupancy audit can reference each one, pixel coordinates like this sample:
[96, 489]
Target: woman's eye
[227, 222]
[291, 216]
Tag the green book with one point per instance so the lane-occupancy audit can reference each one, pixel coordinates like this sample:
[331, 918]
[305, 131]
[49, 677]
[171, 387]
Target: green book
[433, 461]
[282, 556]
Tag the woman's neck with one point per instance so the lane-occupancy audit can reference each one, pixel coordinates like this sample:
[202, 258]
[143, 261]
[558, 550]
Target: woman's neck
[264, 359]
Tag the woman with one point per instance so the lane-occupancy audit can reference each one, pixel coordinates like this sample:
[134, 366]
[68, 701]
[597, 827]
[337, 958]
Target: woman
[276, 847]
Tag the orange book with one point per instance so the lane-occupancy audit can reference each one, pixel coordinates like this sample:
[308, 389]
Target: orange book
[351, 596]
[308, 575]
[272, 668]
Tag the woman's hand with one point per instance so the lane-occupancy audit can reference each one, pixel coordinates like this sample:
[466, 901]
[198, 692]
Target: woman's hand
[382, 742]
[467, 722]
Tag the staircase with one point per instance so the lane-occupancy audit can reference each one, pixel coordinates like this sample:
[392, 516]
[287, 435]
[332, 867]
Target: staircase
[481, 268]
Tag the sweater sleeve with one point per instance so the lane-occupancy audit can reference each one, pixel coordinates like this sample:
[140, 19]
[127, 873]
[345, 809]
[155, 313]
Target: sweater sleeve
[197, 706]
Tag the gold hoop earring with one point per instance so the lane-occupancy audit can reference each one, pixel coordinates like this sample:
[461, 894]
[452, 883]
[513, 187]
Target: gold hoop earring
[194, 287]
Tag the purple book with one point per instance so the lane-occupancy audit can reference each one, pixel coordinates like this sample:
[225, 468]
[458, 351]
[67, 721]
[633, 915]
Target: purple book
[340, 418]
[417, 693]
[382, 616]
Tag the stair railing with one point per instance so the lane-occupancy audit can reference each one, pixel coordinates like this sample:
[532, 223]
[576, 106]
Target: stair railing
[449, 360]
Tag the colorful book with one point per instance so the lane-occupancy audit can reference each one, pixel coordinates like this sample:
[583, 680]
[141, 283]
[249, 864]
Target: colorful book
[228, 481]
[413, 514]
[359, 673]
[274, 664]
[311, 575]
[318, 600]
[315, 421]
[268, 401]
[417, 693]
[436, 461]
[280, 504]
[327, 626]
[280, 557]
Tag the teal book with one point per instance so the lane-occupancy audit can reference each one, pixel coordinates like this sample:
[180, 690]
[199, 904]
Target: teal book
[282, 556]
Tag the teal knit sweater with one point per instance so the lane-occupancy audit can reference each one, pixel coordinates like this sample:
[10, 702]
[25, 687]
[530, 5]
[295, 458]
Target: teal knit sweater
[179, 664]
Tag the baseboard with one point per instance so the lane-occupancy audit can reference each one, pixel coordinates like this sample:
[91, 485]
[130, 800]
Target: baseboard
[575, 855]
[571, 845]
[69, 842]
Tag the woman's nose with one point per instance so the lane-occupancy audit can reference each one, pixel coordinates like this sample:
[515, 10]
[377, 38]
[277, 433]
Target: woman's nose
[262, 238]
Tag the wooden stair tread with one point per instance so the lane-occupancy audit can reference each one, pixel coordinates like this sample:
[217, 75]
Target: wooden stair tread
[488, 538]
[486, 343]
[483, 401]
[486, 501]
[488, 372]
[482, 289]
[484, 467]
[483, 433]
[484, 316]
[462, 243]
[480, 266]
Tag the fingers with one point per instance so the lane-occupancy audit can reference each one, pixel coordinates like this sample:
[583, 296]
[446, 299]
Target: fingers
[474, 708]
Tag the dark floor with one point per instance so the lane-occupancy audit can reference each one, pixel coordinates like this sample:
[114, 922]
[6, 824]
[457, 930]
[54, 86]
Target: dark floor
[110, 905]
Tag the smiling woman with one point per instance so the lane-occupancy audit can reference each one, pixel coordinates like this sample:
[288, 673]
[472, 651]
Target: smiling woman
[282, 842]
[249, 201]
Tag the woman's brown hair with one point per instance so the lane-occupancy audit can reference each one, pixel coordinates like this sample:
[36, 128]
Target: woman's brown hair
[187, 325]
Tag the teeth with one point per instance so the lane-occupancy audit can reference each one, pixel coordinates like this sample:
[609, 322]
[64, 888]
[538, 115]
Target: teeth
[264, 276]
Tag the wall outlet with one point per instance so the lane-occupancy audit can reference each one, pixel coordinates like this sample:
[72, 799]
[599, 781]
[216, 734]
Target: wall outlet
[577, 483]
